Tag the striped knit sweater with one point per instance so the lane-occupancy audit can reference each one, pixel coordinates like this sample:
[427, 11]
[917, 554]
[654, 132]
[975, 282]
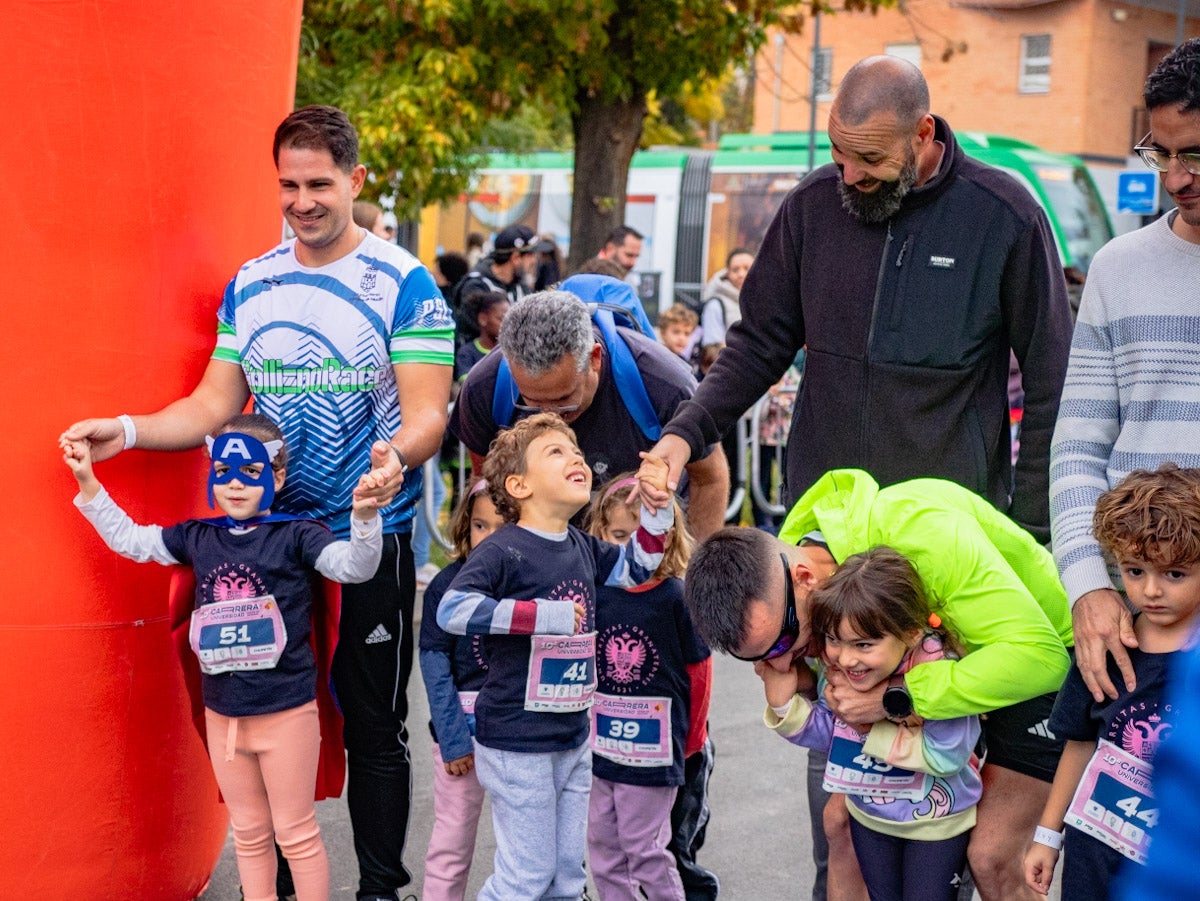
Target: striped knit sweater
[1132, 394]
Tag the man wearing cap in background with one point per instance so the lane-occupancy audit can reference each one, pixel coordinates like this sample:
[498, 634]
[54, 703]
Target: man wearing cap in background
[501, 270]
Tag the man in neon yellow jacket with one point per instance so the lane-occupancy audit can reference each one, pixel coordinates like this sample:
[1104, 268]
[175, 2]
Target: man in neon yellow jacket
[989, 581]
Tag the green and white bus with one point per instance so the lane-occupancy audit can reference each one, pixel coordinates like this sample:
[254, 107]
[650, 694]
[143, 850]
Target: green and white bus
[694, 206]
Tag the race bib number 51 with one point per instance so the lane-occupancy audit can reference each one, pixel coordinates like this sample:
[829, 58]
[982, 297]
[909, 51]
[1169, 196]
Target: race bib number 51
[242, 634]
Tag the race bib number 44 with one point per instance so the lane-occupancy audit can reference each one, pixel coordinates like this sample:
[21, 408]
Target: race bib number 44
[1113, 802]
[243, 634]
[562, 673]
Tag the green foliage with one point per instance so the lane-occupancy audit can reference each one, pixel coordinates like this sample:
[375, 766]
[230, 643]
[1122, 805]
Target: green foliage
[428, 82]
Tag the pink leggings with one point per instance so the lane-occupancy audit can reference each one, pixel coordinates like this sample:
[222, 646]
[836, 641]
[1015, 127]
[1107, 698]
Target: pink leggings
[266, 767]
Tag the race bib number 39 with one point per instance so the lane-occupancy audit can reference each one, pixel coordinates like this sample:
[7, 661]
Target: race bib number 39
[562, 673]
[1113, 802]
[243, 634]
[632, 731]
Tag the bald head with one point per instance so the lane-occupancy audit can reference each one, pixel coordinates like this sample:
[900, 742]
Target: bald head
[882, 83]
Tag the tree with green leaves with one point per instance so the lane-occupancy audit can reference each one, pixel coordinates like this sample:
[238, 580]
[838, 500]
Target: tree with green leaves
[423, 78]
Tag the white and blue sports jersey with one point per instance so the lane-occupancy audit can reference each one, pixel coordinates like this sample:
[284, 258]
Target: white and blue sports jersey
[317, 347]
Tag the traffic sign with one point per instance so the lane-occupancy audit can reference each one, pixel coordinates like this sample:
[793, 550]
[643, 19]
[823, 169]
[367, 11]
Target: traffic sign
[1137, 192]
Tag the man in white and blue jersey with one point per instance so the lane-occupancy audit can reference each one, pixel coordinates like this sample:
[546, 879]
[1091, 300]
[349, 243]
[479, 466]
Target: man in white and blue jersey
[1131, 399]
[344, 340]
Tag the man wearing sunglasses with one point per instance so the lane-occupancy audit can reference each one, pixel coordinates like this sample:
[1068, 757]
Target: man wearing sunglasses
[1133, 377]
[994, 587]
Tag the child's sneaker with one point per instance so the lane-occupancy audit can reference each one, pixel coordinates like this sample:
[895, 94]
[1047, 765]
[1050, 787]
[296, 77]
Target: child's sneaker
[425, 574]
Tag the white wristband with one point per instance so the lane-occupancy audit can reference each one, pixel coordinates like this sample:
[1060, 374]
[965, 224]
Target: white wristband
[1048, 837]
[130, 430]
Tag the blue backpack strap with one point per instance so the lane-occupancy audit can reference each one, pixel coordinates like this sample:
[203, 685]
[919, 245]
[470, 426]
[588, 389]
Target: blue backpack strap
[630, 385]
[504, 398]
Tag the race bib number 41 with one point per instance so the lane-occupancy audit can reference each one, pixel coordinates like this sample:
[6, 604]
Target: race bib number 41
[243, 634]
[562, 673]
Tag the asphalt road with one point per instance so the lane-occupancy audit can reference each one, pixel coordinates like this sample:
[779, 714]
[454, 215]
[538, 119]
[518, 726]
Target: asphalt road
[757, 839]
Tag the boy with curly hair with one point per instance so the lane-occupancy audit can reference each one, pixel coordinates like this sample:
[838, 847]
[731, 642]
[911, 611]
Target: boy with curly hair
[1150, 526]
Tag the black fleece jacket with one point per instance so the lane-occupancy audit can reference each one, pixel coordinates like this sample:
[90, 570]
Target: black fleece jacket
[908, 326]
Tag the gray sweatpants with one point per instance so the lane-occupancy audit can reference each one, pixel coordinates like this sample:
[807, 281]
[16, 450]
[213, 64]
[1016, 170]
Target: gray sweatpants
[539, 815]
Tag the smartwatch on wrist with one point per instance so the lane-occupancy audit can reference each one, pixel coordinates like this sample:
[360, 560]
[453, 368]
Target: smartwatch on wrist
[897, 702]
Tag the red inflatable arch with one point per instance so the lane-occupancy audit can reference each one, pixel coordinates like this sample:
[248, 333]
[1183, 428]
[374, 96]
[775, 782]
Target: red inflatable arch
[138, 176]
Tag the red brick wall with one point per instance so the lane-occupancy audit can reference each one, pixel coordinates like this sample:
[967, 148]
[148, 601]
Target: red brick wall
[1098, 66]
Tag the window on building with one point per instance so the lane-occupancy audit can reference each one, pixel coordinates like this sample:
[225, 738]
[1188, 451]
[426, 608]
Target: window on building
[823, 73]
[1035, 64]
[908, 52]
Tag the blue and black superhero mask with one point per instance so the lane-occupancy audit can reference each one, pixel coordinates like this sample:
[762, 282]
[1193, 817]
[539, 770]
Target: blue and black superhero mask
[245, 458]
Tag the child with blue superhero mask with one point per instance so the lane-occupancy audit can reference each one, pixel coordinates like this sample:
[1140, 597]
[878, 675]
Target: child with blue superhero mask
[250, 631]
[243, 459]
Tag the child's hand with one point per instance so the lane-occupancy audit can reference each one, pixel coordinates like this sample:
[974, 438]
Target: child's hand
[1040, 861]
[580, 616]
[78, 457]
[365, 508]
[384, 479]
[461, 766]
[779, 686]
[652, 490]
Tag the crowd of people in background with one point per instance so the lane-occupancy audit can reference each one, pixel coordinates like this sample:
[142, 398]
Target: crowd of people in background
[973, 705]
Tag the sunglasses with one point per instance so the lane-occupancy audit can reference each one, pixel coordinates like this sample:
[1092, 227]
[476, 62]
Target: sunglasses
[791, 623]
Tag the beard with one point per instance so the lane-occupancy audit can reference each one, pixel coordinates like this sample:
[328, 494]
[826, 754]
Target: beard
[884, 202]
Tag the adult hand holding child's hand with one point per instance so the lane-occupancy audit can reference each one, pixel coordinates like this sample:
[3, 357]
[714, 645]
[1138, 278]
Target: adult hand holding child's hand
[652, 478]
[386, 477]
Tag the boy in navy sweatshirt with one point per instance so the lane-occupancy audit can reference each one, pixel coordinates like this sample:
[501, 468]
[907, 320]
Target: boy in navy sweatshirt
[531, 589]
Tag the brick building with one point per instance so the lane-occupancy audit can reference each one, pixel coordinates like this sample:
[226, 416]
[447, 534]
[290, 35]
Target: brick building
[1064, 74]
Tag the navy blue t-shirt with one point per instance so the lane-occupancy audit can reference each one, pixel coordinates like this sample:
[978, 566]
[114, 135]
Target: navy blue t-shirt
[519, 564]
[272, 558]
[466, 357]
[467, 663]
[1136, 722]
[644, 643]
[465, 652]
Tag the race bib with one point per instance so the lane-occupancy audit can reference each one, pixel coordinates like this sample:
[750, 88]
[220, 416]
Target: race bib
[632, 731]
[562, 673]
[466, 700]
[243, 634]
[851, 771]
[1113, 802]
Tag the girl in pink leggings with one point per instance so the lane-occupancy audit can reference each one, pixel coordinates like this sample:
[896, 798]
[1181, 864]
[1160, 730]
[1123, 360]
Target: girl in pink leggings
[453, 669]
[250, 631]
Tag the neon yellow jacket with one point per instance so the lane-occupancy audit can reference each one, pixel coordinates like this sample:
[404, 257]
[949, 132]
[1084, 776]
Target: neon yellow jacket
[988, 579]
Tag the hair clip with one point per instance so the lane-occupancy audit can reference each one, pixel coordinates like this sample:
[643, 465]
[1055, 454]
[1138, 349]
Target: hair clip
[479, 486]
[935, 621]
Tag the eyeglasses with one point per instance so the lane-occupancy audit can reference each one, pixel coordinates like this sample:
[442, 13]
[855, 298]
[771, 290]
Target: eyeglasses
[791, 623]
[560, 409]
[547, 408]
[1158, 159]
